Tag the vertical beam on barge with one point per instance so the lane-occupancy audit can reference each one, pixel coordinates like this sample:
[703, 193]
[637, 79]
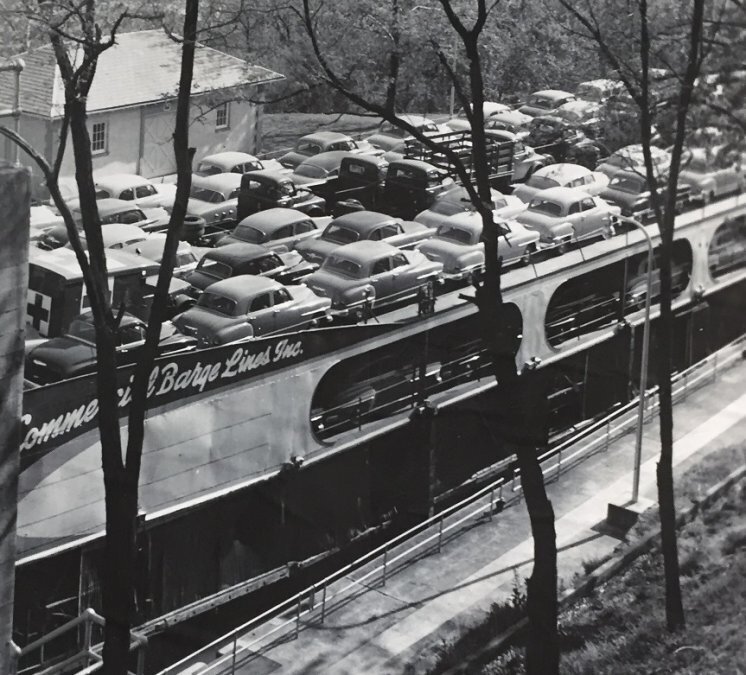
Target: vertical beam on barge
[14, 216]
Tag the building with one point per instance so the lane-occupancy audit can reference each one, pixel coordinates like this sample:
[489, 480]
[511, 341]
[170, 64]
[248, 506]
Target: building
[132, 105]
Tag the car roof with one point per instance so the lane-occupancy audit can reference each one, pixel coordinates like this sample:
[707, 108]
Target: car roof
[273, 174]
[238, 287]
[152, 247]
[121, 181]
[327, 160]
[512, 116]
[229, 157]
[63, 261]
[271, 219]
[563, 195]
[119, 232]
[552, 93]
[218, 181]
[363, 251]
[417, 163]
[326, 136]
[237, 252]
[363, 221]
[566, 170]
[578, 104]
[468, 220]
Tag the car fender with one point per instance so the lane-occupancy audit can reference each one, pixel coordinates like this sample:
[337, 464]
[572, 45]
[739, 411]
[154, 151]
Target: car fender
[470, 259]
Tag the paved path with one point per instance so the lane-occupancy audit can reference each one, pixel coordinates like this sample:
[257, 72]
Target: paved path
[398, 627]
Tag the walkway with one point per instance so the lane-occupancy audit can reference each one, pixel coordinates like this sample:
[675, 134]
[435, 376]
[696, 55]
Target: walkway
[398, 627]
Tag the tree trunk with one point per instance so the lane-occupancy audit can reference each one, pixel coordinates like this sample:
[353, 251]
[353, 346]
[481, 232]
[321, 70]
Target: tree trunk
[542, 643]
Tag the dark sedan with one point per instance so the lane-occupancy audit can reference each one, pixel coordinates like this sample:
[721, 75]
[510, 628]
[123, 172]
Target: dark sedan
[370, 274]
[248, 306]
[361, 226]
[74, 353]
[236, 259]
[276, 229]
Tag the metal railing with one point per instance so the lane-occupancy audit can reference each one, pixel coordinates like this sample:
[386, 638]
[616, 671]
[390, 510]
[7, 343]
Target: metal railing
[314, 603]
[85, 655]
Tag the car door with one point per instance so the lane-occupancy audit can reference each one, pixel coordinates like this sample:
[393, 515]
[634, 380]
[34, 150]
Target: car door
[261, 314]
[282, 238]
[403, 277]
[381, 276]
[285, 313]
[391, 233]
[591, 218]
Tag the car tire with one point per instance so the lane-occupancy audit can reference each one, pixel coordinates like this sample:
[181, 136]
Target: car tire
[608, 231]
[194, 228]
[528, 252]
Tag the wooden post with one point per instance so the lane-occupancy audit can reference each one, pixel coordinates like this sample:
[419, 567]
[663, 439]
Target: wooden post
[14, 219]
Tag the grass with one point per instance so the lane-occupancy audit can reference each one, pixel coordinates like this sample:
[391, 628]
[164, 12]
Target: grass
[620, 627]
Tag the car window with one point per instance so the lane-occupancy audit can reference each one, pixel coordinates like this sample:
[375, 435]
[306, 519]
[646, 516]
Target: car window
[389, 230]
[340, 235]
[588, 179]
[264, 264]
[215, 268]
[234, 193]
[102, 194]
[308, 148]
[343, 266]
[127, 195]
[125, 217]
[260, 302]
[282, 295]
[205, 195]
[208, 170]
[284, 232]
[145, 191]
[574, 208]
[546, 206]
[455, 234]
[305, 226]
[130, 334]
[382, 265]
[399, 260]
[217, 303]
[577, 182]
[587, 204]
[250, 234]
[186, 258]
[247, 166]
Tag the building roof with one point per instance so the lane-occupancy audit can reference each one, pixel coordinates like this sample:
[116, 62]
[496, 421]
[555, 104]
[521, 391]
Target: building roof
[141, 67]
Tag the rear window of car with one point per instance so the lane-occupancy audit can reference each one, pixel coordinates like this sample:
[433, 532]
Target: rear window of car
[347, 268]
[545, 206]
[217, 303]
[627, 184]
[215, 268]
[541, 182]
[125, 217]
[540, 102]
[207, 169]
[445, 207]
[250, 234]
[340, 234]
[205, 195]
[310, 171]
[455, 234]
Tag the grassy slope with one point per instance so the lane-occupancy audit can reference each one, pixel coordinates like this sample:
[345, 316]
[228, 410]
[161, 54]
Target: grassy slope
[620, 628]
[280, 130]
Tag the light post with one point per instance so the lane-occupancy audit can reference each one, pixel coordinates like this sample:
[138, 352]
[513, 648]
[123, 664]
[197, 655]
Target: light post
[644, 364]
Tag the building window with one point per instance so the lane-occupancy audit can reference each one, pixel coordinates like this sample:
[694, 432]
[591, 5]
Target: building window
[98, 137]
[223, 116]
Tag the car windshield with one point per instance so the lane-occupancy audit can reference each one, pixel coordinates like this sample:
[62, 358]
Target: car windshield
[186, 258]
[541, 102]
[347, 268]
[250, 234]
[460, 236]
[215, 268]
[545, 206]
[217, 303]
[541, 182]
[627, 184]
[205, 195]
[82, 330]
[207, 169]
[340, 234]
[311, 171]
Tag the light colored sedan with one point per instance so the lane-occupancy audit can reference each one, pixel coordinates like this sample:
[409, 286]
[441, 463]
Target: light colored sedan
[231, 161]
[561, 175]
[631, 158]
[458, 246]
[278, 229]
[545, 102]
[136, 189]
[247, 306]
[360, 226]
[563, 215]
[708, 175]
[456, 200]
[372, 273]
[215, 198]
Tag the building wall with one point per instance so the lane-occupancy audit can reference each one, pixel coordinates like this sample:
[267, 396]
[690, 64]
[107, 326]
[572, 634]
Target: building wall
[34, 130]
[240, 134]
[14, 212]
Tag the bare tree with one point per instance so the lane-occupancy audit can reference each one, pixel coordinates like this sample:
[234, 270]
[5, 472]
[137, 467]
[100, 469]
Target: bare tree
[78, 41]
[516, 399]
[659, 42]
